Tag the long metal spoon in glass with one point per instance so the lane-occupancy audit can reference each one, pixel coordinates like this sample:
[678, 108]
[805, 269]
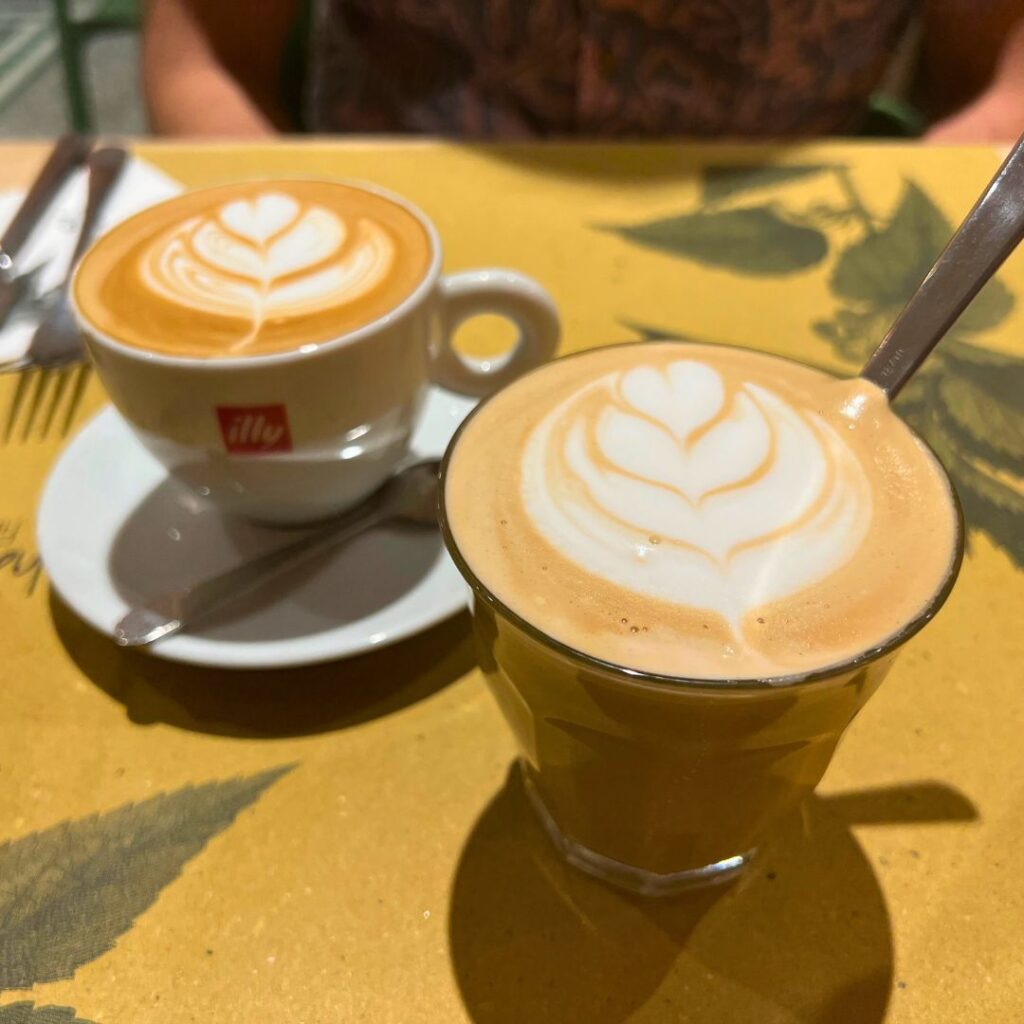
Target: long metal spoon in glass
[988, 234]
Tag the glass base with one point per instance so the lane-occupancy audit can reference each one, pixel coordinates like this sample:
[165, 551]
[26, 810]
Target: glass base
[625, 876]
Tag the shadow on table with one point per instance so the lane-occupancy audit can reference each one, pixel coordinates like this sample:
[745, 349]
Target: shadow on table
[285, 702]
[804, 935]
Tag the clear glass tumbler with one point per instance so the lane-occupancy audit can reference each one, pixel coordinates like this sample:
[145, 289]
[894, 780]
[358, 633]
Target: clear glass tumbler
[657, 783]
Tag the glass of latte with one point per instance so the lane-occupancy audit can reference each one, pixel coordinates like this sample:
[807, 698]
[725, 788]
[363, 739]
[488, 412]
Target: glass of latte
[691, 566]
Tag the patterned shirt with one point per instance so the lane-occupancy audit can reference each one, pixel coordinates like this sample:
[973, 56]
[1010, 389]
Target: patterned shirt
[633, 68]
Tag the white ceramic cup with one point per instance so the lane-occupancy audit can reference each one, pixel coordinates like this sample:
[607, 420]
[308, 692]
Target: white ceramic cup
[298, 435]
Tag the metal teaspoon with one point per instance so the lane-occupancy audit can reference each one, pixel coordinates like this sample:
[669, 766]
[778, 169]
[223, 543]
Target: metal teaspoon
[989, 233]
[410, 496]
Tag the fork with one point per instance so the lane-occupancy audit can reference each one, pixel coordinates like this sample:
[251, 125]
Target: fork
[56, 342]
[46, 388]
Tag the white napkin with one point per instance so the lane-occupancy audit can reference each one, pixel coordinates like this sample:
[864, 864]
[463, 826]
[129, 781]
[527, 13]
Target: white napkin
[53, 238]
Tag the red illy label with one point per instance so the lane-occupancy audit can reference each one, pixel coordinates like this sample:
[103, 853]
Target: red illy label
[254, 429]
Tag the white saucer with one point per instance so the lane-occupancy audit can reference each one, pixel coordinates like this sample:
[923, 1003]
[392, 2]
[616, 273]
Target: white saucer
[113, 529]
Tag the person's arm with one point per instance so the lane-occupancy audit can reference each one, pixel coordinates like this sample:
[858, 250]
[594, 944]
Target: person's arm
[211, 67]
[975, 67]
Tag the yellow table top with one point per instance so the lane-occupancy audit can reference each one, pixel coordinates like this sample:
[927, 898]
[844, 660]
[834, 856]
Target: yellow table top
[341, 843]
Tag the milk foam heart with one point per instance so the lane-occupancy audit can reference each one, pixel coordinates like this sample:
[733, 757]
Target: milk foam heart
[253, 268]
[701, 511]
[260, 218]
[670, 484]
[266, 257]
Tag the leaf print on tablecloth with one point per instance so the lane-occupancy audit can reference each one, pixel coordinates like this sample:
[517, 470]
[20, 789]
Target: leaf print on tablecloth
[965, 400]
[983, 391]
[29, 1013]
[992, 498]
[877, 273]
[724, 182]
[884, 267]
[985, 426]
[755, 240]
[646, 332]
[69, 892]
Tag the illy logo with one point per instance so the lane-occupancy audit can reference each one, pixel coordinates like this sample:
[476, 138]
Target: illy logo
[254, 429]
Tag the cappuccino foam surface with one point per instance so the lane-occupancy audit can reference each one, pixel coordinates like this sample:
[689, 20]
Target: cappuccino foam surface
[702, 512]
[252, 268]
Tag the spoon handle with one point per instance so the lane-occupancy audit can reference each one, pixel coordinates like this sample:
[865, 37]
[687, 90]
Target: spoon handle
[989, 233]
[167, 613]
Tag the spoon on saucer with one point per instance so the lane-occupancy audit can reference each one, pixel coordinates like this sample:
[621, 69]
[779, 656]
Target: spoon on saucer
[988, 234]
[408, 497]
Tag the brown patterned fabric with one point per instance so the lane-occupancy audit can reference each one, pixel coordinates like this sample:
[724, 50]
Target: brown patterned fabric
[543, 68]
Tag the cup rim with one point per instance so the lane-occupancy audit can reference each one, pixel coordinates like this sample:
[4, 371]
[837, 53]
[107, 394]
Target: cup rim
[639, 677]
[223, 363]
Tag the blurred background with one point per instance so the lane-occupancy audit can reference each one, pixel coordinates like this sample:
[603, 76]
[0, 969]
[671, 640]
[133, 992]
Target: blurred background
[69, 64]
[951, 70]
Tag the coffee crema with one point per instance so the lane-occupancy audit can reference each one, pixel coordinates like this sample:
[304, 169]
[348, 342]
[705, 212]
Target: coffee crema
[252, 268]
[701, 512]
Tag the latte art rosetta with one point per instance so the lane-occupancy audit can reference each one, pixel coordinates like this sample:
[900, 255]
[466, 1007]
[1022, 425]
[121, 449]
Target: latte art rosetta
[700, 511]
[672, 483]
[253, 268]
[267, 256]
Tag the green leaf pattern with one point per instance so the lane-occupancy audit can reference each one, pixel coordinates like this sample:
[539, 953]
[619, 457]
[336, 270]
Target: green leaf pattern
[29, 1013]
[68, 892]
[754, 240]
[967, 401]
[725, 182]
[885, 266]
[877, 274]
[987, 427]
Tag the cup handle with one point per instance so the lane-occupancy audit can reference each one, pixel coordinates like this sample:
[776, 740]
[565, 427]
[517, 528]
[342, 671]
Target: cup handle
[506, 293]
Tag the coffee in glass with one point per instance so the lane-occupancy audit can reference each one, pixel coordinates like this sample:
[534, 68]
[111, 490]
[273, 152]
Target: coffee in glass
[691, 566]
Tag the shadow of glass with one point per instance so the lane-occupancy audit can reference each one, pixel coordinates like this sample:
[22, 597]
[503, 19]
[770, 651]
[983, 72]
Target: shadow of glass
[804, 935]
[171, 539]
[286, 702]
